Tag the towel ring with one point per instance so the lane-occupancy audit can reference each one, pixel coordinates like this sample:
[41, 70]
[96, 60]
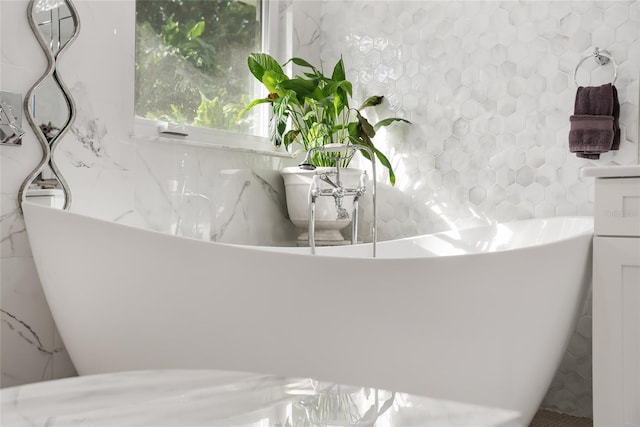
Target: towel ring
[602, 59]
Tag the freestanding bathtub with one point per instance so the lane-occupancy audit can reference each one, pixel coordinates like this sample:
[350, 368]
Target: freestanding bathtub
[481, 316]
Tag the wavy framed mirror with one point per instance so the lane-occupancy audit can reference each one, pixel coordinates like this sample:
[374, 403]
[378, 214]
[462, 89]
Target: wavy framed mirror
[48, 105]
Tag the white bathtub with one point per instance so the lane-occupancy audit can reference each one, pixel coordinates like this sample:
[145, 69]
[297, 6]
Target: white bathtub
[480, 316]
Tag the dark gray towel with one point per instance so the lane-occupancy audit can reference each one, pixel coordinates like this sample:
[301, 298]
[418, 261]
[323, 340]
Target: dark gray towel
[596, 101]
[590, 135]
[594, 125]
[616, 117]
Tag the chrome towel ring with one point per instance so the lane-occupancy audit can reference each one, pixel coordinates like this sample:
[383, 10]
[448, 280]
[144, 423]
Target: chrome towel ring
[601, 58]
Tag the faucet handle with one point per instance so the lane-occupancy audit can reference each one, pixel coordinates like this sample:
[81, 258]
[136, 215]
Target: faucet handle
[324, 177]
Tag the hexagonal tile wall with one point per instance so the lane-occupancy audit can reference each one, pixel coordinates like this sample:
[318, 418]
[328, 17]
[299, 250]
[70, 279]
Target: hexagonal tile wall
[489, 88]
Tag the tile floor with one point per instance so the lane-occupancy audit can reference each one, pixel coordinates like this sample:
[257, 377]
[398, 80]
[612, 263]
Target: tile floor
[553, 419]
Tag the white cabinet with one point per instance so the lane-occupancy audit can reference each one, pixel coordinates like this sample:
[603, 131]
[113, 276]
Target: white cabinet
[616, 299]
[616, 332]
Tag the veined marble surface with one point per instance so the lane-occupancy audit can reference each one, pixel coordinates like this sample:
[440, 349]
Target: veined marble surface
[618, 171]
[223, 398]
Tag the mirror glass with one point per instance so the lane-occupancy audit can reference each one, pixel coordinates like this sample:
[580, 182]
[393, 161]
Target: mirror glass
[56, 26]
[49, 106]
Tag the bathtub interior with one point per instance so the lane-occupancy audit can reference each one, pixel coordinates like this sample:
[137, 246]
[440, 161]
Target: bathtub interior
[472, 240]
[475, 240]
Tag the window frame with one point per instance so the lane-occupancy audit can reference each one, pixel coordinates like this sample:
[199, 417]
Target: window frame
[148, 129]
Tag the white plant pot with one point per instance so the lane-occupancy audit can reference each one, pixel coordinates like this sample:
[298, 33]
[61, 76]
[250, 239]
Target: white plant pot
[327, 227]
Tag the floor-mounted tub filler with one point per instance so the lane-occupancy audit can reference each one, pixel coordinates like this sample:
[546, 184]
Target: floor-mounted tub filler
[480, 316]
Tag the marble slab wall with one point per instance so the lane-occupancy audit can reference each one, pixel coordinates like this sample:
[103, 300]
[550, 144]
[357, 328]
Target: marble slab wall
[220, 195]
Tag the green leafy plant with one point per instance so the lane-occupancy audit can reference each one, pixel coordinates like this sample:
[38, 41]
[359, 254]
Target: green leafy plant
[313, 109]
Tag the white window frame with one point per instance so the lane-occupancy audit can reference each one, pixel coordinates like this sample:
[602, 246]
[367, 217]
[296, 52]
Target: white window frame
[148, 129]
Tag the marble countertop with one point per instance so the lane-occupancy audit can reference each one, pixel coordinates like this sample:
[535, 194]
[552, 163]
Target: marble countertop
[222, 398]
[618, 171]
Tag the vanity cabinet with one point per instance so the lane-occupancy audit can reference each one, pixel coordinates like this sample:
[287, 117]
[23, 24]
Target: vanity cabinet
[616, 298]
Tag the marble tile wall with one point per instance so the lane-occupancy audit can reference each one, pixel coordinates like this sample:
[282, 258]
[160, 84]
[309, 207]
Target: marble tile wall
[489, 88]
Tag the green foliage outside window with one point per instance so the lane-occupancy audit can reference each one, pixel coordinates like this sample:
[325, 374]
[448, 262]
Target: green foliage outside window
[191, 61]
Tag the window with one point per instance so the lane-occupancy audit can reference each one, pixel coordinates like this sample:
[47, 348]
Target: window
[191, 62]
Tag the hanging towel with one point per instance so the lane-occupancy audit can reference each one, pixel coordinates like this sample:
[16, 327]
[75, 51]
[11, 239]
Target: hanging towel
[590, 135]
[616, 117]
[594, 125]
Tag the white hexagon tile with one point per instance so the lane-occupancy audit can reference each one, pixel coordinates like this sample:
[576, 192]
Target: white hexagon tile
[489, 87]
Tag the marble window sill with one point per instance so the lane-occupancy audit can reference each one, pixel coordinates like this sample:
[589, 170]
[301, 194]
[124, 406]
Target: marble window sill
[147, 130]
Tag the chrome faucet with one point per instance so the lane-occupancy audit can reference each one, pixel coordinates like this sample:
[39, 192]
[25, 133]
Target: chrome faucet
[338, 191]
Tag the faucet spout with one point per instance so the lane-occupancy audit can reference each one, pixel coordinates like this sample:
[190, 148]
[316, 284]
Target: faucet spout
[341, 212]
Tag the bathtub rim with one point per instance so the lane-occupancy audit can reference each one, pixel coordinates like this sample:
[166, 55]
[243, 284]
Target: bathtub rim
[294, 251]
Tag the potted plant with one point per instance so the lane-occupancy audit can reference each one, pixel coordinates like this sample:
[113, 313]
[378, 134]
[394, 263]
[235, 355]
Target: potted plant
[313, 110]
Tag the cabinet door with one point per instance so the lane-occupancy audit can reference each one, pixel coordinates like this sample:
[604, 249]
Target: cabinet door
[616, 332]
[617, 212]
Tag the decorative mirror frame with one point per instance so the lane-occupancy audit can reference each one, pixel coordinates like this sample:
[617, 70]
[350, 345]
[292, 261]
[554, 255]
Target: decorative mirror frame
[48, 147]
